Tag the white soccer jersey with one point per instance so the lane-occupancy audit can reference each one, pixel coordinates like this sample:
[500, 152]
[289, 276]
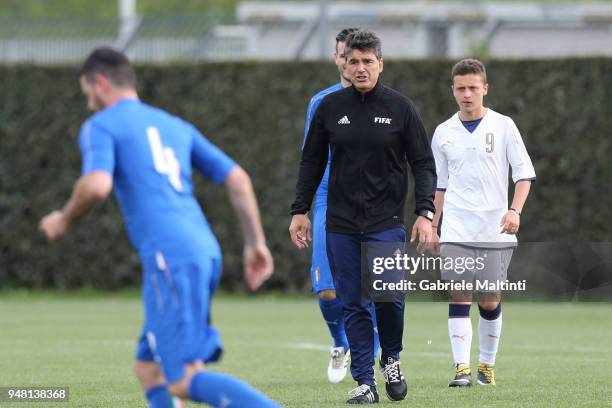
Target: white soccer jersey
[473, 170]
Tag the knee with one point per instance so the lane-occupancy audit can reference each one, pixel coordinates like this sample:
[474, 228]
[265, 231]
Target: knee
[458, 296]
[489, 310]
[488, 305]
[148, 373]
[327, 294]
[179, 389]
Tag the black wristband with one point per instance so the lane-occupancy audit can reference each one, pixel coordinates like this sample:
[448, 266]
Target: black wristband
[426, 213]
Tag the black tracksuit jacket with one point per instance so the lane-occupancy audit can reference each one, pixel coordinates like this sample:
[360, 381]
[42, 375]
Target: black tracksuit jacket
[372, 138]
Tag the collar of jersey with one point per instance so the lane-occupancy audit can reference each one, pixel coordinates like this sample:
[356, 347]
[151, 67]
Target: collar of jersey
[458, 122]
[371, 94]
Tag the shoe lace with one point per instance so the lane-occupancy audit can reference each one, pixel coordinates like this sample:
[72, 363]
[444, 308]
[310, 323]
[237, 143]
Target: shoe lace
[359, 391]
[487, 371]
[337, 359]
[463, 369]
[391, 372]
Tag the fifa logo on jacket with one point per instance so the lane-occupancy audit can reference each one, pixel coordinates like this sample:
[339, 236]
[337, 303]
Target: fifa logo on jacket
[382, 120]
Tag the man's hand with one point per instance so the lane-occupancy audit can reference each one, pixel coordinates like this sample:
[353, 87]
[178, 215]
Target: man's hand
[258, 265]
[510, 223]
[300, 230]
[54, 225]
[422, 229]
[89, 190]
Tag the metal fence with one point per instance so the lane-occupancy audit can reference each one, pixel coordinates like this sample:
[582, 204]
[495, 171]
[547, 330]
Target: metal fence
[143, 38]
[306, 30]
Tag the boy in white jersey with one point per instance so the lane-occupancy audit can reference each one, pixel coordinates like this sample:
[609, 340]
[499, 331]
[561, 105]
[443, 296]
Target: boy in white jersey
[473, 150]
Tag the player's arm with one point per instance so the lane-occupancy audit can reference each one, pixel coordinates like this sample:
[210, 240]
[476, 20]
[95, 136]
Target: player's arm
[312, 107]
[89, 190]
[312, 167]
[258, 263]
[523, 174]
[213, 163]
[511, 221]
[435, 223]
[420, 157]
[94, 185]
[300, 222]
[439, 204]
[442, 183]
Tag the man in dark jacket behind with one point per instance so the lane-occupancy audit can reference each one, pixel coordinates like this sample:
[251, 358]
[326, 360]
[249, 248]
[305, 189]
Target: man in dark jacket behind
[373, 133]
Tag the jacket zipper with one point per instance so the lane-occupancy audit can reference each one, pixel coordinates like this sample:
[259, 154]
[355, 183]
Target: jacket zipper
[361, 198]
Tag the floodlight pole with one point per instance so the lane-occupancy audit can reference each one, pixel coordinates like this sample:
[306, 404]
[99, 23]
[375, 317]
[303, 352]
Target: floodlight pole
[128, 23]
[127, 12]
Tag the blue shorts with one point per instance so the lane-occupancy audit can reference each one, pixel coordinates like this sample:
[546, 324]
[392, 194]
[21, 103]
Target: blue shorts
[177, 326]
[320, 273]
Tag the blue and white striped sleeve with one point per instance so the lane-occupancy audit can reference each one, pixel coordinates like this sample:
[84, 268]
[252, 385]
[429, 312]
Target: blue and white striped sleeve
[97, 149]
[312, 108]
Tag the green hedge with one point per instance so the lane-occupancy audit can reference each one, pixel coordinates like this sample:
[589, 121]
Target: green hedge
[255, 111]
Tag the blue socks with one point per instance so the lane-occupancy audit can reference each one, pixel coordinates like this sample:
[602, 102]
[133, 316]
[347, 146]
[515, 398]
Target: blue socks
[332, 313]
[459, 310]
[376, 341]
[216, 389]
[159, 397]
[222, 390]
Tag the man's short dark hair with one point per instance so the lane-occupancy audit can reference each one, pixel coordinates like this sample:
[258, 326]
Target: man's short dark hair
[469, 66]
[110, 63]
[343, 35]
[363, 41]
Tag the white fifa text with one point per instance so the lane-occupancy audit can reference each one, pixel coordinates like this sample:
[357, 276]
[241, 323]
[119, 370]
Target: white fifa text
[382, 120]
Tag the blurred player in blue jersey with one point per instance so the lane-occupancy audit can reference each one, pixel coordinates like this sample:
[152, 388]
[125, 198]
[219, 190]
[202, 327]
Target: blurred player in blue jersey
[147, 156]
[320, 273]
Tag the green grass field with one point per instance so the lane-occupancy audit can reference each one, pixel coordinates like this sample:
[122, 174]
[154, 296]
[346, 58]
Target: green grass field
[551, 354]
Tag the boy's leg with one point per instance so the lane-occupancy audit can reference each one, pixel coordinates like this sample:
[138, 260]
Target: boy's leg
[459, 322]
[181, 338]
[217, 389]
[323, 282]
[490, 320]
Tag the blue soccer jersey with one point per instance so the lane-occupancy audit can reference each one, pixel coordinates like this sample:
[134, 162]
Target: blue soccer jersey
[321, 194]
[150, 155]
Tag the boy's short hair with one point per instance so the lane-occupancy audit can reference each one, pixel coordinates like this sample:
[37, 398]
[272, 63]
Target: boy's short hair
[469, 66]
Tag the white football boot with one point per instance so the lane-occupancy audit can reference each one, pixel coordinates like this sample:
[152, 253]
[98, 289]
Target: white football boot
[338, 364]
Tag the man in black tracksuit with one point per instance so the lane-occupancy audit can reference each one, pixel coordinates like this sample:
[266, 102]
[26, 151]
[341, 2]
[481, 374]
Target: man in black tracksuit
[373, 133]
